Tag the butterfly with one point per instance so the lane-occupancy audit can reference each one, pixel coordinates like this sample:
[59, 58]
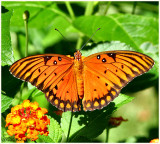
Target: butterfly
[93, 81]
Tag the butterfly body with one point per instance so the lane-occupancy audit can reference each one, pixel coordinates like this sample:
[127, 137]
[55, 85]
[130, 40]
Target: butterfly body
[79, 70]
[96, 79]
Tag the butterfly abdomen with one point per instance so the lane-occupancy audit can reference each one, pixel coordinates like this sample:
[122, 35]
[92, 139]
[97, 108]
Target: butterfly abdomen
[78, 67]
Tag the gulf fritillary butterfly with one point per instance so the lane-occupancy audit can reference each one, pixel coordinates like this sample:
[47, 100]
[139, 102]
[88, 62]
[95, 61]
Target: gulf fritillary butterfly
[96, 79]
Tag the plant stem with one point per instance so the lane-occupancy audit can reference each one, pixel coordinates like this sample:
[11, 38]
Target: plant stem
[25, 18]
[107, 134]
[134, 7]
[89, 8]
[69, 129]
[22, 86]
[79, 43]
[107, 129]
[26, 29]
[88, 11]
[108, 5]
[70, 10]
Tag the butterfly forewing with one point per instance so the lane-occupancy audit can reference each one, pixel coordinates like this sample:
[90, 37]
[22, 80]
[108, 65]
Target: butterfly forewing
[109, 72]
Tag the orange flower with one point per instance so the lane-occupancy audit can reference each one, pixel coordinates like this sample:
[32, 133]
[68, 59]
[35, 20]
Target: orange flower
[27, 121]
[154, 141]
[114, 122]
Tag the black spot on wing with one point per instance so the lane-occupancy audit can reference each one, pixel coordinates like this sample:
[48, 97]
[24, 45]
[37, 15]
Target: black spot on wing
[46, 58]
[112, 55]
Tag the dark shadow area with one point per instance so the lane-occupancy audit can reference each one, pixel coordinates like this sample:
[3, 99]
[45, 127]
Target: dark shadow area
[63, 47]
[51, 112]
[153, 133]
[3, 9]
[78, 9]
[10, 84]
[140, 83]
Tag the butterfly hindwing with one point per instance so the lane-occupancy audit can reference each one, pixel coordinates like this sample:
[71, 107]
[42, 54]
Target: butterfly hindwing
[109, 72]
[64, 94]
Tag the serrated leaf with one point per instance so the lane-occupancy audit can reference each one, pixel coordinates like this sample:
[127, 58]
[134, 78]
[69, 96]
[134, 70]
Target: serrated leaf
[6, 48]
[131, 29]
[5, 102]
[55, 133]
[91, 124]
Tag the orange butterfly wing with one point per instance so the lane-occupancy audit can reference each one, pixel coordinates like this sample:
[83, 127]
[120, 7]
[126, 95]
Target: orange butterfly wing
[106, 73]
[54, 75]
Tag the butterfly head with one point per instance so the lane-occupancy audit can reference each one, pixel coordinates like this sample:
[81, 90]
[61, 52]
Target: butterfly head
[77, 55]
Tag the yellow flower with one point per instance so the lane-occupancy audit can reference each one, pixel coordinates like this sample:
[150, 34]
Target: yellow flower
[26, 103]
[16, 108]
[154, 141]
[27, 121]
[16, 120]
[34, 105]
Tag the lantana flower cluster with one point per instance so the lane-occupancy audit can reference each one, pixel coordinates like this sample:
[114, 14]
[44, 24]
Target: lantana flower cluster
[26, 121]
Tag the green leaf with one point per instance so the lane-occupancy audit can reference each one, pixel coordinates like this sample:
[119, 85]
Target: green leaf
[55, 133]
[41, 13]
[6, 48]
[53, 37]
[152, 51]
[131, 29]
[91, 124]
[5, 102]
[76, 126]
[44, 18]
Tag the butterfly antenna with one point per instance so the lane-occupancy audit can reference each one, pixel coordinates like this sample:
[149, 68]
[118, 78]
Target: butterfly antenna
[63, 36]
[90, 38]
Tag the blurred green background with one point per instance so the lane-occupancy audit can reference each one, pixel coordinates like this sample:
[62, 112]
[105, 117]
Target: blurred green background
[137, 20]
